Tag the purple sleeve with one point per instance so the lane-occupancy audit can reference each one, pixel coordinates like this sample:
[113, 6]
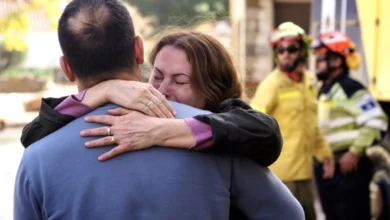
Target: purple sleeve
[73, 106]
[202, 133]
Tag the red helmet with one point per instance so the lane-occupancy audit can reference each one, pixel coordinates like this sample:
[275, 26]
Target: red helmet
[335, 42]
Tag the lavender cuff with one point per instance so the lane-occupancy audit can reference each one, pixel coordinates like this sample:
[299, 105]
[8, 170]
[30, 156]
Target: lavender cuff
[72, 105]
[202, 133]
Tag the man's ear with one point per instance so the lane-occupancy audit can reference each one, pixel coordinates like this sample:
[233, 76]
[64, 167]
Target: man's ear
[67, 70]
[139, 50]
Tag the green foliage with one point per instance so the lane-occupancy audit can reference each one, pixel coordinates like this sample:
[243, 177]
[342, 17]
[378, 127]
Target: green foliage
[15, 26]
[10, 58]
[182, 12]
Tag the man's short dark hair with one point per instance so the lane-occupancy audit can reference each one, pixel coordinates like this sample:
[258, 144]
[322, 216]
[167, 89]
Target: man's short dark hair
[97, 38]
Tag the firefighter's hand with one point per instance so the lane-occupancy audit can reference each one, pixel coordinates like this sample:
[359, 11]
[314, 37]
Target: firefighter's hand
[349, 162]
[328, 168]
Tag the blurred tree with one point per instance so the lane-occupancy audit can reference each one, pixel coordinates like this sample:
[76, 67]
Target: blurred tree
[144, 25]
[15, 25]
[182, 12]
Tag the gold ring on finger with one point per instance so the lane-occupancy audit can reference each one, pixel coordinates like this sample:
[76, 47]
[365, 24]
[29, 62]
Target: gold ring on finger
[112, 140]
[150, 102]
[108, 131]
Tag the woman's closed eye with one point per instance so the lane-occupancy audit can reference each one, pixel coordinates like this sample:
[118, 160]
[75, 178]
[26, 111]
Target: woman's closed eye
[182, 79]
[180, 82]
[158, 78]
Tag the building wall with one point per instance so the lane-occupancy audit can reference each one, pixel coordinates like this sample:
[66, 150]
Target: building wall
[299, 12]
[259, 23]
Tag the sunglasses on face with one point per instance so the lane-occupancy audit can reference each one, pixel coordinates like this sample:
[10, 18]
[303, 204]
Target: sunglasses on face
[289, 49]
[320, 58]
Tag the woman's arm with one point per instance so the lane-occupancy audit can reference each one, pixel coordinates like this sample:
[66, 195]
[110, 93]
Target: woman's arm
[238, 129]
[48, 121]
[54, 114]
[57, 112]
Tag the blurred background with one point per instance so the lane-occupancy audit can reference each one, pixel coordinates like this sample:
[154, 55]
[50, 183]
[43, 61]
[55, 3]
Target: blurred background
[29, 50]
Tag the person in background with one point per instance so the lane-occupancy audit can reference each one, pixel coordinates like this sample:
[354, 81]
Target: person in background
[351, 121]
[288, 95]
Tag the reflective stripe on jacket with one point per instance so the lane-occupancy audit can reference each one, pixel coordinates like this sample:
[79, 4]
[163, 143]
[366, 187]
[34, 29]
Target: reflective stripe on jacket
[348, 119]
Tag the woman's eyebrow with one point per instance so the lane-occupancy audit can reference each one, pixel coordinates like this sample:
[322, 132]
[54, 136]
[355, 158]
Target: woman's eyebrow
[174, 74]
[158, 70]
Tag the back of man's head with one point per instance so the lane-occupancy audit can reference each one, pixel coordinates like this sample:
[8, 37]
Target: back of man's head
[97, 38]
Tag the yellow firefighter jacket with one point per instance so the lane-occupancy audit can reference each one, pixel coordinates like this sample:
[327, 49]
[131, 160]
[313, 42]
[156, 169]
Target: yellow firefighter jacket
[294, 106]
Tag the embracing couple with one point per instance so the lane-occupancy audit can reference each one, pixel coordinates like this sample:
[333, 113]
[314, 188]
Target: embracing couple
[213, 149]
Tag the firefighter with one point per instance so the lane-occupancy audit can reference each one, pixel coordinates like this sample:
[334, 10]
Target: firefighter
[288, 95]
[351, 121]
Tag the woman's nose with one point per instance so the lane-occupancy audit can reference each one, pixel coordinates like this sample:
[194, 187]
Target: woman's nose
[164, 89]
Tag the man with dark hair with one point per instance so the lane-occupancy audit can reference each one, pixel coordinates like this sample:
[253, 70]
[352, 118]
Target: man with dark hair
[98, 40]
[288, 95]
[59, 178]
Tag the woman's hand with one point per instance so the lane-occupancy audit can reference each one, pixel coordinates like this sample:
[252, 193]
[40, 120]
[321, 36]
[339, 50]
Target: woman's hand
[133, 95]
[133, 131]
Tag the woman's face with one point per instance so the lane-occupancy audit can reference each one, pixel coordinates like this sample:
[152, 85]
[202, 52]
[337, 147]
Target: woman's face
[171, 76]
